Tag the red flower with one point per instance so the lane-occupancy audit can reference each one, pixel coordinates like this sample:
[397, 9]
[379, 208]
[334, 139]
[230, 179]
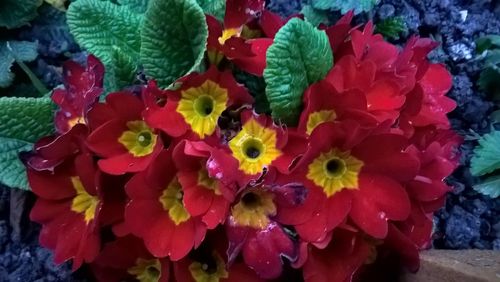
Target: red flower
[68, 207]
[127, 259]
[228, 40]
[204, 195]
[347, 252]
[120, 136]
[157, 214]
[197, 105]
[348, 173]
[82, 87]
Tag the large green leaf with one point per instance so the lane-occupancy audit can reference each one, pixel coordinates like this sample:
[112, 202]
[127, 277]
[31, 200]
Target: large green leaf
[10, 51]
[16, 13]
[101, 26]
[174, 37]
[138, 6]
[121, 72]
[489, 187]
[299, 56]
[486, 157]
[345, 5]
[314, 16]
[216, 8]
[22, 122]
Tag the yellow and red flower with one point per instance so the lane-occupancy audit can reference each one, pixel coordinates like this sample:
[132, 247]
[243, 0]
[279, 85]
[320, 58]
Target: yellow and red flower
[127, 259]
[197, 105]
[120, 136]
[68, 207]
[234, 40]
[82, 87]
[156, 211]
[348, 173]
[204, 195]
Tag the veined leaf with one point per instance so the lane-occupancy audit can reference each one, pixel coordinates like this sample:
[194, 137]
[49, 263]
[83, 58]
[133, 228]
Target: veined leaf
[16, 13]
[121, 71]
[23, 51]
[138, 6]
[174, 38]
[299, 56]
[345, 5]
[216, 8]
[489, 187]
[23, 121]
[486, 157]
[314, 16]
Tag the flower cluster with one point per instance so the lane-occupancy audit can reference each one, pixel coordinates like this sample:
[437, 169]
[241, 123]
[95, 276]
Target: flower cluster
[191, 184]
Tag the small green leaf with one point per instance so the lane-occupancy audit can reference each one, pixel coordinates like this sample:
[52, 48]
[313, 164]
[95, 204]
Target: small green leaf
[23, 121]
[121, 72]
[391, 27]
[23, 51]
[489, 187]
[100, 26]
[16, 13]
[314, 16]
[489, 82]
[487, 42]
[216, 8]
[345, 5]
[486, 157]
[174, 38]
[299, 56]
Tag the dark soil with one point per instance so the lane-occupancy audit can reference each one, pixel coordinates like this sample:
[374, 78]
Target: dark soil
[469, 219]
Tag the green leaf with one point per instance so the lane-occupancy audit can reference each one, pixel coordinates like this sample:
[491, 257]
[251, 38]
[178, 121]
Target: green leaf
[486, 157]
[16, 13]
[489, 82]
[216, 8]
[101, 26]
[299, 56]
[121, 72]
[23, 51]
[391, 27]
[345, 5]
[174, 38]
[23, 122]
[138, 6]
[314, 16]
[257, 87]
[489, 187]
[487, 42]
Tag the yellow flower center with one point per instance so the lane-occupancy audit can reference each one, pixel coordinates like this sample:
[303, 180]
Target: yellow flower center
[254, 147]
[76, 120]
[146, 270]
[202, 106]
[83, 202]
[171, 200]
[139, 140]
[334, 171]
[209, 271]
[207, 182]
[254, 209]
[317, 118]
[228, 33]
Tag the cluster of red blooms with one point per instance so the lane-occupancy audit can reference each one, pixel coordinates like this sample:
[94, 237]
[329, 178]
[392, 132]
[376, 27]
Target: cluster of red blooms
[191, 184]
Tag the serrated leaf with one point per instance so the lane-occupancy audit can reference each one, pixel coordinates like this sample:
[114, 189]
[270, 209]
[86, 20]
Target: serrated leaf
[299, 56]
[23, 121]
[314, 16]
[391, 27]
[216, 8]
[486, 157]
[489, 187]
[100, 26]
[121, 72]
[487, 42]
[174, 38]
[16, 13]
[23, 51]
[345, 5]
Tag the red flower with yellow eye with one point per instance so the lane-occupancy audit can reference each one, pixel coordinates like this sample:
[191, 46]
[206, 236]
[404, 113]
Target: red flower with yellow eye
[126, 259]
[347, 173]
[253, 229]
[197, 105]
[120, 136]
[68, 207]
[322, 103]
[204, 195]
[233, 40]
[261, 144]
[156, 211]
[82, 87]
